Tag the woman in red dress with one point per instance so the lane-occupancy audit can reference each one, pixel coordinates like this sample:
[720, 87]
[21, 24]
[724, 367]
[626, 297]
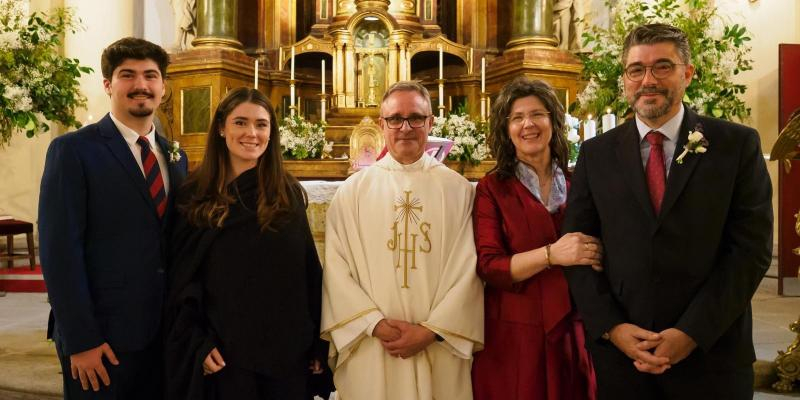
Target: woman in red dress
[534, 339]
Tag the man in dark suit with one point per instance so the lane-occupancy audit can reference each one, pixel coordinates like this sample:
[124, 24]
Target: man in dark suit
[686, 224]
[104, 212]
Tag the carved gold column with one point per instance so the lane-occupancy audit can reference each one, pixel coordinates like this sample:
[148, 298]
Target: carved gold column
[216, 24]
[532, 24]
[350, 72]
[393, 63]
[341, 38]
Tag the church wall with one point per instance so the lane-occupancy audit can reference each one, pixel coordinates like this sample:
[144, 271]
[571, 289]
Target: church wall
[22, 162]
[770, 23]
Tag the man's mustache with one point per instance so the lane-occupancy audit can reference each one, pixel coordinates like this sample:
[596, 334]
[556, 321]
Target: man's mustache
[140, 92]
[650, 90]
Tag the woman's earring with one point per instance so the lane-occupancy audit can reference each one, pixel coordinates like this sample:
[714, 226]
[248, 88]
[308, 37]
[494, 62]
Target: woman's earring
[222, 134]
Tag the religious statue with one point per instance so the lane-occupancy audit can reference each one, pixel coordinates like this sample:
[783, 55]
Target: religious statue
[568, 23]
[185, 22]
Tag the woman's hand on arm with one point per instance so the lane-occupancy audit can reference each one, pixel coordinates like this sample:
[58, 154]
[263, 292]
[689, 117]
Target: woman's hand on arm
[571, 249]
[577, 249]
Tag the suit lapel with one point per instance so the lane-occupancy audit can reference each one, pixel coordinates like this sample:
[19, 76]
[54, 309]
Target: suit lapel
[630, 158]
[122, 152]
[679, 173]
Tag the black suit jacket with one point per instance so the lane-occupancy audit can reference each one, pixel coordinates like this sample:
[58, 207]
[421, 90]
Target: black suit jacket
[101, 243]
[696, 265]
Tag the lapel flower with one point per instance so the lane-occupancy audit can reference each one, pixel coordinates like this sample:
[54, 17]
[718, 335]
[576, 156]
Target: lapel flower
[174, 152]
[696, 143]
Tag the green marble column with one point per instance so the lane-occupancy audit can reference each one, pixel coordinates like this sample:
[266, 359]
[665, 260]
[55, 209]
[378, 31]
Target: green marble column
[216, 24]
[532, 24]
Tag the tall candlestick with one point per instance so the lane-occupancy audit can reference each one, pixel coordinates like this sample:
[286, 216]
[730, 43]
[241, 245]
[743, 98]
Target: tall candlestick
[441, 98]
[255, 73]
[441, 62]
[323, 76]
[291, 97]
[483, 74]
[609, 121]
[589, 128]
[292, 72]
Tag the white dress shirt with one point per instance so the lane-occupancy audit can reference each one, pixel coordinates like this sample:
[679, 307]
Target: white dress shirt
[131, 137]
[670, 130]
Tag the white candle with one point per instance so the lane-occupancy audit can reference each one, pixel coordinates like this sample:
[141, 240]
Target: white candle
[323, 76]
[255, 84]
[589, 128]
[292, 72]
[609, 121]
[280, 59]
[441, 62]
[483, 74]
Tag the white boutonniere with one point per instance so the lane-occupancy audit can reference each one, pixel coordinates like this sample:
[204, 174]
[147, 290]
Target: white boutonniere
[174, 152]
[696, 143]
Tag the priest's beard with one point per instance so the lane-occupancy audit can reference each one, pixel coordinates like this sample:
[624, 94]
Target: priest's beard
[652, 111]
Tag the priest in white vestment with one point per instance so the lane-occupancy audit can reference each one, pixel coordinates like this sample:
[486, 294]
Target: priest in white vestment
[402, 304]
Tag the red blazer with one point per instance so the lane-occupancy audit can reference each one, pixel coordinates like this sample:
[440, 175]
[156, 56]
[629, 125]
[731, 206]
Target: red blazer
[534, 342]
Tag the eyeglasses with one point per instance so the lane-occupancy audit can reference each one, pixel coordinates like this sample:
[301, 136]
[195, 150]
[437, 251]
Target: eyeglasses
[414, 121]
[660, 70]
[535, 117]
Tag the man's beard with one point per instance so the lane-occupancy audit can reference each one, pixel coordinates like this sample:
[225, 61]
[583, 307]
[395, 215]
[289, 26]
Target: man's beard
[652, 111]
[142, 111]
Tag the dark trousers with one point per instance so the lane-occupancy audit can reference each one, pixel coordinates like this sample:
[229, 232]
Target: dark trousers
[232, 383]
[618, 379]
[138, 376]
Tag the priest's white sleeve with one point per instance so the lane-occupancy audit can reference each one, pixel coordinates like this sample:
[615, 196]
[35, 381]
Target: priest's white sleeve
[457, 314]
[348, 312]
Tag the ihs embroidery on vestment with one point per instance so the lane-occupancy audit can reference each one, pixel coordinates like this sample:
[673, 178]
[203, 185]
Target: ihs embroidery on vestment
[403, 244]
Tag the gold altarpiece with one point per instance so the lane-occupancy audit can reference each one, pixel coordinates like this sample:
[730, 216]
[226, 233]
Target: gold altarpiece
[367, 46]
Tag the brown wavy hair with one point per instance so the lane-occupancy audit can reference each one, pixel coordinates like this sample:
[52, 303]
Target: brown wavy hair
[500, 143]
[208, 201]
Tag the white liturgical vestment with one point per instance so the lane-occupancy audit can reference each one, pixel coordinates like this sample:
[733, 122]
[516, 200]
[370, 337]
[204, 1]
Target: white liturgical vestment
[399, 245]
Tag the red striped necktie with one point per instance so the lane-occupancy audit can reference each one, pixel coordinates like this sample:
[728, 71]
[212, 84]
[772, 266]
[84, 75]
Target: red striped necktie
[656, 174]
[152, 174]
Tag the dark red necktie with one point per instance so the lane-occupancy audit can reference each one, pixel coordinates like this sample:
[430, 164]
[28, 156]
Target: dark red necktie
[152, 174]
[656, 174]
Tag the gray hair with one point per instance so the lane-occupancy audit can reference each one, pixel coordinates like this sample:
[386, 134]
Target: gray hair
[408, 86]
[658, 33]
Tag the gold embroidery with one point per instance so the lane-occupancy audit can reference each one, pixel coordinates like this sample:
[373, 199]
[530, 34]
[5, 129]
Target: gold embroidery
[407, 209]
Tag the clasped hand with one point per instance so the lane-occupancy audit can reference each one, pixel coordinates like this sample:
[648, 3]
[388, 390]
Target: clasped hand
[403, 339]
[88, 366]
[652, 352]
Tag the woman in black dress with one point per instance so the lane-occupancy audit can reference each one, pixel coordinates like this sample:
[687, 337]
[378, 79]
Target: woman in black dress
[242, 318]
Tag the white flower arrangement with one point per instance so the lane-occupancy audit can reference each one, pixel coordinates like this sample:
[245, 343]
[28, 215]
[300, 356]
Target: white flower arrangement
[37, 83]
[469, 138]
[571, 126]
[301, 139]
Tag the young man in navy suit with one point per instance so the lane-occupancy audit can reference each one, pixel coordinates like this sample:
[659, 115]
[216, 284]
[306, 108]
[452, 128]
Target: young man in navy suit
[104, 213]
[682, 204]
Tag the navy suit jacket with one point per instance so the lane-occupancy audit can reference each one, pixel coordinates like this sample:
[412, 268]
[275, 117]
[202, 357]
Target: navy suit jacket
[696, 264]
[101, 243]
